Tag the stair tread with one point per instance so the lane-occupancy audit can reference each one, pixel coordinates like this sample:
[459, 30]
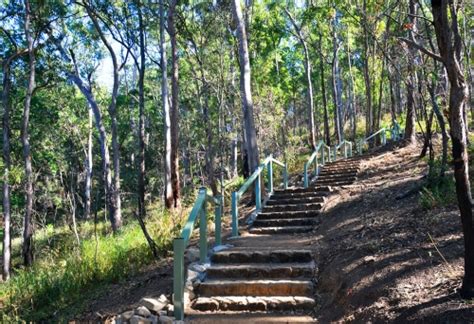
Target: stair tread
[263, 265]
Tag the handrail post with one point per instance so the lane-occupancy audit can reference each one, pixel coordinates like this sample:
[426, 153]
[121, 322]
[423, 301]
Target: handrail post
[178, 278]
[335, 152]
[270, 176]
[258, 194]
[345, 150]
[329, 154]
[316, 166]
[218, 220]
[322, 155]
[285, 177]
[203, 233]
[306, 175]
[384, 138]
[235, 219]
[350, 149]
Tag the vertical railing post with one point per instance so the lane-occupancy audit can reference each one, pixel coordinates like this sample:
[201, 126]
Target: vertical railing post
[345, 150]
[322, 155]
[285, 177]
[306, 175]
[218, 219]
[270, 176]
[316, 166]
[258, 193]
[384, 137]
[178, 278]
[203, 233]
[329, 154]
[335, 152]
[235, 211]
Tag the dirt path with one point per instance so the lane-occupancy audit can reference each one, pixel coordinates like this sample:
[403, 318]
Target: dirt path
[376, 259]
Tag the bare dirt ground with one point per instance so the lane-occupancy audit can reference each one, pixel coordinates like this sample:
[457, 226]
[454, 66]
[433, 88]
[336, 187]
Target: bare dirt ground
[382, 258]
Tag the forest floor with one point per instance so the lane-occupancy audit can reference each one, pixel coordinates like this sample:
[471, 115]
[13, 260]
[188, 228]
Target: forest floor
[382, 257]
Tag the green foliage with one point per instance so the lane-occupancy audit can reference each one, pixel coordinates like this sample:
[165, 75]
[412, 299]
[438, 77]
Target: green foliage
[440, 190]
[57, 283]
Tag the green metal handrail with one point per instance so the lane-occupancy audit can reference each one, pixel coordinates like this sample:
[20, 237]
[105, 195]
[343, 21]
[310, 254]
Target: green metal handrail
[180, 243]
[395, 135]
[314, 158]
[256, 177]
[347, 149]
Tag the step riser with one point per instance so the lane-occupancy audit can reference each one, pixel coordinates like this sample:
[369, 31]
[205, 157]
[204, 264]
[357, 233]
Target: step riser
[290, 271]
[239, 288]
[301, 190]
[263, 304]
[316, 194]
[337, 183]
[285, 222]
[335, 179]
[261, 257]
[281, 201]
[298, 214]
[280, 230]
[292, 208]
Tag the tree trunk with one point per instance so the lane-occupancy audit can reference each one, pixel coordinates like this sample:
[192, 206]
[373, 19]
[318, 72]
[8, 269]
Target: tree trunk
[88, 167]
[169, 201]
[336, 85]
[115, 210]
[174, 106]
[141, 122]
[27, 251]
[327, 134]
[411, 80]
[245, 88]
[368, 87]
[352, 100]
[450, 47]
[6, 86]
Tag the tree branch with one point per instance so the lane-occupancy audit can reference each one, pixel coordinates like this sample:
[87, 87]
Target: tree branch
[422, 49]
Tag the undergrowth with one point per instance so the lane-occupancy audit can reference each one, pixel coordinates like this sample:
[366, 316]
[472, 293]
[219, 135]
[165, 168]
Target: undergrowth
[62, 278]
[439, 190]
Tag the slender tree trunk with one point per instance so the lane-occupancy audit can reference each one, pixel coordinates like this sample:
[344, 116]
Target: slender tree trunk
[327, 134]
[352, 99]
[450, 48]
[336, 85]
[411, 82]
[115, 210]
[88, 167]
[169, 201]
[368, 86]
[6, 86]
[174, 106]
[25, 139]
[141, 123]
[245, 88]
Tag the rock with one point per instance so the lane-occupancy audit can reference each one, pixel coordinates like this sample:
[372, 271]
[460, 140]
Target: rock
[153, 319]
[189, 295]
[198, 267]
[163, 299]
[192, 275]
[127, 315]
[139, 320]
[118, 320]
[170, 310]
[166, 320]
[143, 311]
[191, 254]
[154, 305]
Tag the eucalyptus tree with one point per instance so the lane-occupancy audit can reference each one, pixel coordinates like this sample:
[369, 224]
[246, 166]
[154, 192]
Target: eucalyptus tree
[245, 88]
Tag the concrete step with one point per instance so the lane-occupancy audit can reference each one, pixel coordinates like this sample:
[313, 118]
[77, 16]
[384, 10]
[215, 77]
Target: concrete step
[287, 214]
[261, 270]
[281, 229]
[233, 256]
[262, 303]
[309, 194]
[331, 172]
[257, 287]
[279, 222]
[336, 177]
[294, 200]
[293, 207]
[334, 183]
[340, 168]
[300, 190]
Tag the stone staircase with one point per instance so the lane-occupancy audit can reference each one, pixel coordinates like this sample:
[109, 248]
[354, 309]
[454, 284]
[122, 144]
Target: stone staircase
[268, 269]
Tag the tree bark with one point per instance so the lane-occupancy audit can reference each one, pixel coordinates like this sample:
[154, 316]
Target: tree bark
[115, 210]
[309, 83]
[411, 80]
[450, 47]
[88, 167]
[368, 86]
[245, 88]
[27, 250]
[174, 106]
[327, 134]
[141, 122]
[169, 201]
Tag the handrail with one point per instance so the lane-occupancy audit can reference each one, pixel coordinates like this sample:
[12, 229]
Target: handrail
[395, 135]
[346, 144]
[180, 243]
[314, 157]
[256, 177]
